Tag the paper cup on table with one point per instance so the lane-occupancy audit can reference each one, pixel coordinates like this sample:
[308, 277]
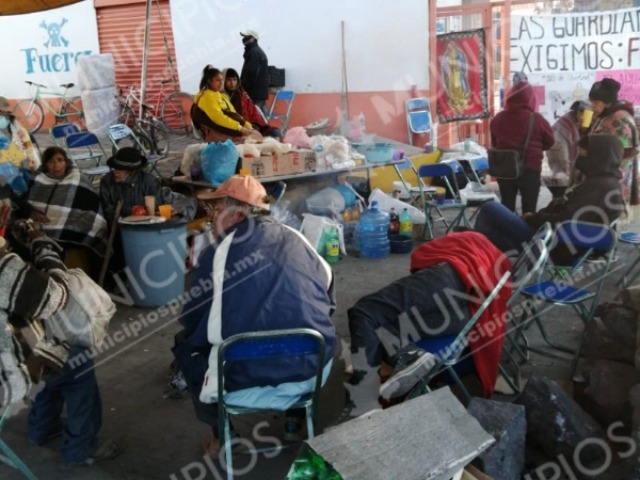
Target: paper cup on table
[150, 204]
[165, 211]
[587, 117]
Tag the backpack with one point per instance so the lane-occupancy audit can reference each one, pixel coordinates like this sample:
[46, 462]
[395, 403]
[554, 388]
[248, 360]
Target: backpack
[84, 321]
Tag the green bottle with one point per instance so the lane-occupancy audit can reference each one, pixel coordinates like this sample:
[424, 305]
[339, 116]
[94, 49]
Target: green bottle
[332, 252]
[406, 224]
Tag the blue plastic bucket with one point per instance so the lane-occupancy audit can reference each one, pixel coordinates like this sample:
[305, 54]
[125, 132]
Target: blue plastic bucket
[155, 256]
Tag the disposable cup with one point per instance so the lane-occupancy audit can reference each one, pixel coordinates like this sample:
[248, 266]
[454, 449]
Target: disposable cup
[150, 204]
[587, 117]
[165, 211]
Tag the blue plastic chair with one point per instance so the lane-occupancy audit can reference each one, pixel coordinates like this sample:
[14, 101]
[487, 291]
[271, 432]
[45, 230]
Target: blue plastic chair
[418, 114]
[7, 455]
[442, 170]
[280, 109]
[59, 132]
[296, 343]
[451, 350]
[584, 239]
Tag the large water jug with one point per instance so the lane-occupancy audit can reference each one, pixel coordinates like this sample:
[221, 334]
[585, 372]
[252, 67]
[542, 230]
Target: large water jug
[373, 240]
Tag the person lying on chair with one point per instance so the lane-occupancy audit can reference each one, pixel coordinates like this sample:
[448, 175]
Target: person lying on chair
[450, 275]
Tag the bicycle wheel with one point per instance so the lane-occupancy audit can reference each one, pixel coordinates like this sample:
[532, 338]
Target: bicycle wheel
[176, 112]
[30, 114]
[159, 134]
[146, 142]
[72, 112]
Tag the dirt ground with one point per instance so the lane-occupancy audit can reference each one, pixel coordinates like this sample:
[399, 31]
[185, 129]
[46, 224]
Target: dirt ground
[162, 436]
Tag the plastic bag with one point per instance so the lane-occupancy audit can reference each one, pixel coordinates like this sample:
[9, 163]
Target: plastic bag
[386, 202]
[314, 227]
[219, 161]
[298, 137]
[12, 176]
[328, 201]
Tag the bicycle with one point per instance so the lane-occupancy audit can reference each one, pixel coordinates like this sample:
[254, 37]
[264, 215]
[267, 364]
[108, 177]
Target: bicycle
[152, 132]
[30, 113]
[174, 109]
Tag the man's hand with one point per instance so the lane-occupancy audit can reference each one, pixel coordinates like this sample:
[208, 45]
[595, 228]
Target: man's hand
[39, 217]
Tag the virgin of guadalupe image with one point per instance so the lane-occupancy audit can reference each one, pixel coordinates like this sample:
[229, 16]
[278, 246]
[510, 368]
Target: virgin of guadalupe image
[454, 73]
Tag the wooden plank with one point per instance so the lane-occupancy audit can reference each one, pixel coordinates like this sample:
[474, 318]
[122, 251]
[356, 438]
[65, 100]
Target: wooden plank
[430, 437]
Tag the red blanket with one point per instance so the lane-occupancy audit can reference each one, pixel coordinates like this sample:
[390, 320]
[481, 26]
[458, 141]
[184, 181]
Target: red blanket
[480, 266]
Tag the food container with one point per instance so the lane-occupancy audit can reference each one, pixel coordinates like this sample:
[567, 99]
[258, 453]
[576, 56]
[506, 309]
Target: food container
[401, 244]
[375, 152]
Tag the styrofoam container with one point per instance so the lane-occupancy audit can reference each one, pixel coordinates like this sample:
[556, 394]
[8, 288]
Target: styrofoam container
[375, 152]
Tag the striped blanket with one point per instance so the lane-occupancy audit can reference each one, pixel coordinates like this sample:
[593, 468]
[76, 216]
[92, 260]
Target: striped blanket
[73, 207]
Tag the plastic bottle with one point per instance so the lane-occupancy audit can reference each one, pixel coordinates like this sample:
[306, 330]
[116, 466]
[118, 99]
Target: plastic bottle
[362, 123]
[394, 222]
[406, 223]
[332, 247]
[373, 227]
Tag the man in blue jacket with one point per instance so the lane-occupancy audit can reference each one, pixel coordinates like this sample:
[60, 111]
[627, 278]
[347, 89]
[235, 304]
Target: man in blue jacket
[262, 276]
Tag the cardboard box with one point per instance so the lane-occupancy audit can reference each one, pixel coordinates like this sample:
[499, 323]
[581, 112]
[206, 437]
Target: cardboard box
[304, 160]
[285, 164]
[264, 166]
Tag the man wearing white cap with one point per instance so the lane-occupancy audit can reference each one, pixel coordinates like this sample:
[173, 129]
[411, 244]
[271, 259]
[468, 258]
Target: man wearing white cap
[262, 275]
[255, 72]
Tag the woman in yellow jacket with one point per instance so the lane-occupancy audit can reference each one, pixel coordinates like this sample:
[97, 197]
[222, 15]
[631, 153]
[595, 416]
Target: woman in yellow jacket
[213, 114]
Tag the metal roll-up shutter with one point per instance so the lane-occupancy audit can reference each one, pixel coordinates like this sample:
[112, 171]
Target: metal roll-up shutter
[121, 33]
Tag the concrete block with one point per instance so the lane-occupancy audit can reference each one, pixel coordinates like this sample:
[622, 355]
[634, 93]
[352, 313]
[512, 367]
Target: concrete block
[556, 423]
[507, 423]
[607, 395]
[612, 334]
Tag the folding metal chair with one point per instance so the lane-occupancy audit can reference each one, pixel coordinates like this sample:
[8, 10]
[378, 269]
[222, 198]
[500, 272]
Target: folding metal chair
[121, 135]
[442, 170]
[261, 347]
[7, 455]
[449, 349]
[632, 238]
[563, 289]
[413, 191]
[280, 109]
[83, 146]
[418, 116]
[59, 132]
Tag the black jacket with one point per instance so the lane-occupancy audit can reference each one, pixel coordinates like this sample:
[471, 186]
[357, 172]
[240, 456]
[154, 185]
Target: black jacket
[132, 192]
[255, 72]
[599, 198]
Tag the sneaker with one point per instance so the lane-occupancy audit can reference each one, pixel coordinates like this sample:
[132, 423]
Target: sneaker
[106, 450]
[292, 429]
[410, 364]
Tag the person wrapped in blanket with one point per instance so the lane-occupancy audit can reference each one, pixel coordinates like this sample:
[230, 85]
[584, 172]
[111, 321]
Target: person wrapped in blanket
[244, 105]
[450, 276]
[30, 293]
[70, 203]
[215, 116]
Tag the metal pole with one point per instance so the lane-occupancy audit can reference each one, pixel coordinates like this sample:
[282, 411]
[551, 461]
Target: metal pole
[145, 55]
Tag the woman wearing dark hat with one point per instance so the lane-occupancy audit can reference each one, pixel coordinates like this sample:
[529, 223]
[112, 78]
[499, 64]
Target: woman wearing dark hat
[127, 182]
[615, 117]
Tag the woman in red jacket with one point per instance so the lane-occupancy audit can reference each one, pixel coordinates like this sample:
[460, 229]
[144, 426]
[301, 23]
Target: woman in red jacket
[509, 131]
[244, 105]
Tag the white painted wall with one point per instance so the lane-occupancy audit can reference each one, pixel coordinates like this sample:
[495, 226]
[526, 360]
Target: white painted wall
[386, 42]
[29, 52]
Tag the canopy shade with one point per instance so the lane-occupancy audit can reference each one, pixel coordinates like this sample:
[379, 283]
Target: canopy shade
[15, 7]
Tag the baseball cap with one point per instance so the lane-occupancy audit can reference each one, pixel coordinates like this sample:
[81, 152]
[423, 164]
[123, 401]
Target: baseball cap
[250, 33]
[243, 188]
